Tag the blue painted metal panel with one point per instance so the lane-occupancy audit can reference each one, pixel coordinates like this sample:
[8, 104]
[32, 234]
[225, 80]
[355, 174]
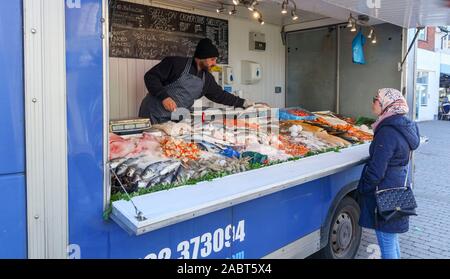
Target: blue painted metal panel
[336, 183]
[249, 230]
[84, 57]
[12, 159]
[201, 237]
[13, 226]
[276, 220]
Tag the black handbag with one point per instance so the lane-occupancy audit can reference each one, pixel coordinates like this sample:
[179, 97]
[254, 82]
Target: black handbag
[395, 203]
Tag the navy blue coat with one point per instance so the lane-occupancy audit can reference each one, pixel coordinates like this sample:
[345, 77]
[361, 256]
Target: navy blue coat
[394, 138]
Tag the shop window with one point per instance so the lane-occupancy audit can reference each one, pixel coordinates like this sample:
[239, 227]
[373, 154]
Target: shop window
[422, 88]
[423, 34]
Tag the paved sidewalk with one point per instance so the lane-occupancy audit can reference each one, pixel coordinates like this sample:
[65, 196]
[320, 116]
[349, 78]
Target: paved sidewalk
[429, 234]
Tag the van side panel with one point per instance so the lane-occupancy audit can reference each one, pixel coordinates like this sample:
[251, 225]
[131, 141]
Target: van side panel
[13, 230]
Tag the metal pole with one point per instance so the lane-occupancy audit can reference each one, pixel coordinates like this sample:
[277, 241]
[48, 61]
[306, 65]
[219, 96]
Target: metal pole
[338, 62]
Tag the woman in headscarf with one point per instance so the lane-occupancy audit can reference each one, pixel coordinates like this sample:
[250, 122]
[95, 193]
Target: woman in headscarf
[395, 136]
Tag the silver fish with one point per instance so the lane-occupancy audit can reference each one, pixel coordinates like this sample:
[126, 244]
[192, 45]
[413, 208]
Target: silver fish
[116, 162]
[169, 178]
[137, 176]
[154, 181]
[123, 167]
[210, 147]
[167, 175]
[170, 168]
[152, 170]
[184, 174]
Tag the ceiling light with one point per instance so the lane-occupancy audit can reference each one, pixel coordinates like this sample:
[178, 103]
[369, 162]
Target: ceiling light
[251, 7]
[350, 24]
[353, 27]
[221, 9]
[351, 21]
[256, 14]
[261, 21]
[294, 15]
[374, 40]
[236, 2]
[370, 33]
[284, 7]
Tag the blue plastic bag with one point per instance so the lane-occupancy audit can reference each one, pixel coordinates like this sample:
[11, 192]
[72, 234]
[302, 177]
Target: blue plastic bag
[283, 114]
[358, 48]
[230, 153]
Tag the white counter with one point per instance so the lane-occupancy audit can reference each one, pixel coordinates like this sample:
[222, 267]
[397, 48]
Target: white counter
[165, 208]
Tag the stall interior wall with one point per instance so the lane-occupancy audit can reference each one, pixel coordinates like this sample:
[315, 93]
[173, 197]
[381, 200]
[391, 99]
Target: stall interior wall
[312, 72]
[127, 88]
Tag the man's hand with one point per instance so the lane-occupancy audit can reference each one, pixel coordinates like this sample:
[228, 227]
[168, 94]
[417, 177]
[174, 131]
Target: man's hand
[250, 104]
[266, 105]
[169, 104]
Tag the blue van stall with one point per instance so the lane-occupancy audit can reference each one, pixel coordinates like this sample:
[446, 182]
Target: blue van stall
[288, 210]
[278, 211]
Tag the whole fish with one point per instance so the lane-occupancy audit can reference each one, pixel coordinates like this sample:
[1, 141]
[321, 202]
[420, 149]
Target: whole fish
[137, 176]
[153, 170]
[123, 167]
[167, 175]
[116, 162]
[210, 147]
[170, 168]
[170, 177]
[154, 181]
[138, 166]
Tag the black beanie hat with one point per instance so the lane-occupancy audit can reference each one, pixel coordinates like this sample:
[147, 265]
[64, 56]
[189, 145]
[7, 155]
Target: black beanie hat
[206, 49]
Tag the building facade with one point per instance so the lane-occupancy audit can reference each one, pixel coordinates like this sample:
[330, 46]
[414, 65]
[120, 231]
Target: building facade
[432, 74]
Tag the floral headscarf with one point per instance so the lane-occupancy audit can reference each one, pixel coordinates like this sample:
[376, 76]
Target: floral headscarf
[392, 103]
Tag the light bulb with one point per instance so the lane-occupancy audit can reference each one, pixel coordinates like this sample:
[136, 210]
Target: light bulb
[236, 2]
[284, 7]
[351, 20]
[374, 40]
[294, 15]
[220, 10]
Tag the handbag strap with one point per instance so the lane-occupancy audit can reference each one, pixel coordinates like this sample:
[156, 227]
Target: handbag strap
[407, 168]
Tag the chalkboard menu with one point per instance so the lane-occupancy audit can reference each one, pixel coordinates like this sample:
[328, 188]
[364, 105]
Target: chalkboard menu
[145, 32]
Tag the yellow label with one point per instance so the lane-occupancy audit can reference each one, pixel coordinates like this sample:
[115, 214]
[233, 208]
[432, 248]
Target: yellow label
[216, 69]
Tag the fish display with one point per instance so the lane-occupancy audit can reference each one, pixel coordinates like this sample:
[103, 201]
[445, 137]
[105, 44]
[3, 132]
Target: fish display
[176, 153]
[120, 147]
[180, 149]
